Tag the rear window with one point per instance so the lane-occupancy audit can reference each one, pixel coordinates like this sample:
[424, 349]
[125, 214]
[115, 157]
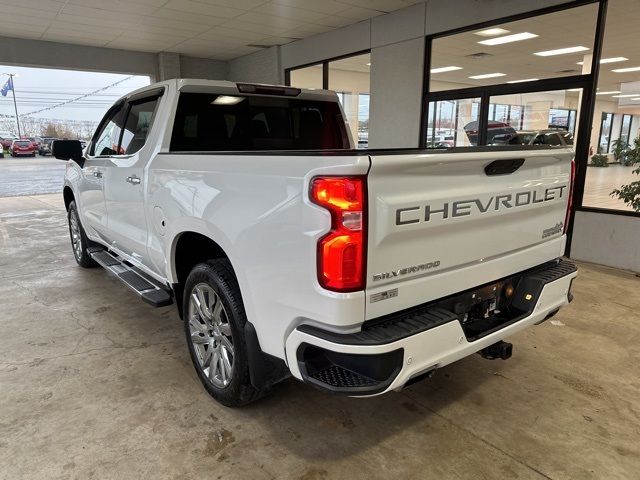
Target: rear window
[23, 143]
[211, 122]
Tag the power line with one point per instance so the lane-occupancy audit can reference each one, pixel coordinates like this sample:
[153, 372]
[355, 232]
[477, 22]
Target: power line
[67, 102]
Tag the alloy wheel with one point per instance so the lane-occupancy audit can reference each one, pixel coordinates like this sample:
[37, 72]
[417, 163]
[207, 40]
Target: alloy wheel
[210, 335]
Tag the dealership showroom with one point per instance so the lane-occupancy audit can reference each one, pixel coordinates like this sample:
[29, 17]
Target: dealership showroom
[97, 384]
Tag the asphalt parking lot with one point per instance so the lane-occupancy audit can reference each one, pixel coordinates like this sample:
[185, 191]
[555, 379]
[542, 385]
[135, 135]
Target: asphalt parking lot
[30, 175]
[96, 384]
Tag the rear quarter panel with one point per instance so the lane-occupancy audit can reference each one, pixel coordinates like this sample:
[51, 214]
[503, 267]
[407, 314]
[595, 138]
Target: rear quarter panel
[256, 208]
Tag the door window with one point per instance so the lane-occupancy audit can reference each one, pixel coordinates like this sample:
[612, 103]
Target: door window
[138, 124]
[107, 136]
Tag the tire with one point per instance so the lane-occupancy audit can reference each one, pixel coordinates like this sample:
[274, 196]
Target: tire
[79, 241]
[211, 331]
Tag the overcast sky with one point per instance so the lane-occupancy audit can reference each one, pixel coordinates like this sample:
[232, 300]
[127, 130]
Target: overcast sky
[38, 88]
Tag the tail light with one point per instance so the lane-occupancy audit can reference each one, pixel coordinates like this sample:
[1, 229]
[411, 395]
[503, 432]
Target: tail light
[341, 252]
[570, 200]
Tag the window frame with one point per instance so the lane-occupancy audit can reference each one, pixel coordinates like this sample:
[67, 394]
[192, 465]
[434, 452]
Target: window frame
[588, 82]
[116, 110]
[325, 67]
[124, 106]
[603, 117]
[129, 104]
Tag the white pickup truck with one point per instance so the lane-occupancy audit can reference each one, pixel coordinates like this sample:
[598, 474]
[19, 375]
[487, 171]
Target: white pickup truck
[288, 252]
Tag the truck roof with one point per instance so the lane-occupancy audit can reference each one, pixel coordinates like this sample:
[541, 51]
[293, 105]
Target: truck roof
[227, 87]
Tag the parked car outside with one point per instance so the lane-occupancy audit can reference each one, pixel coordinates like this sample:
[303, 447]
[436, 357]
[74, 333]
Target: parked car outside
[45, 146]
[23, 148]
[6, 142]
[558, 138]
[495, 130]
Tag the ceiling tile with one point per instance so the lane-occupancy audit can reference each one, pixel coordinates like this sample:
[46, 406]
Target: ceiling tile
[328, 7]
[280, 23]
[287, 11]
[40, 5]
[381, 5]
[189, 17]
[266, 29]
[244, 35]
[359, 13]
[203, 8]
[115, 6]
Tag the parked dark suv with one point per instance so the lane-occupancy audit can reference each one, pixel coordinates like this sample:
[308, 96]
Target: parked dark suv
[45, 146]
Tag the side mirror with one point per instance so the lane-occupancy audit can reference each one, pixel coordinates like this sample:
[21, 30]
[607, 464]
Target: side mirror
[67, 150]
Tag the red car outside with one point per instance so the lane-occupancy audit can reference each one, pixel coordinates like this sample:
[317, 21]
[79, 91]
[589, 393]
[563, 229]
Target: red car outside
[23, 147]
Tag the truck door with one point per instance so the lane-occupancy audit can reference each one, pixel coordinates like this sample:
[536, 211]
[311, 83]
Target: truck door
[104, 144]
[125, 181]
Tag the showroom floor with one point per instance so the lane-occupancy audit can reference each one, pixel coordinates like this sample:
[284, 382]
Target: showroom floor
[96, 384]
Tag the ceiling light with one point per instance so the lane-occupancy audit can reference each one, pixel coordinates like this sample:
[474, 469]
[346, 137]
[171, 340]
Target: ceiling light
[625, 70]
[626, 95]
[612, 92]
[368, 64]
[445, 69]
[524, 80]
[227, 100]
[574, 90]
[491, 32]
[610, 60]
[487, 75]
[636, 99]
[516, 37]
[561, 51]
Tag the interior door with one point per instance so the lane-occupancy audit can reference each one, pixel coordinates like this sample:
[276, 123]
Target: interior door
[93, 211]
[125, 182]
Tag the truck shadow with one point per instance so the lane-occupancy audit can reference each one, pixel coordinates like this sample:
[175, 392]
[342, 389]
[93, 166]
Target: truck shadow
[317, 426]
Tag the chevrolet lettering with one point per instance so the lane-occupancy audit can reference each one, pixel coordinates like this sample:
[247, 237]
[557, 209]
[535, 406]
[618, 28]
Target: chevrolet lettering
[462, 208]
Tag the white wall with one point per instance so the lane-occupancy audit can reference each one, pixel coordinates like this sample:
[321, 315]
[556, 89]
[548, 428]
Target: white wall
[396, 94]
[259, 67]
[607, 239]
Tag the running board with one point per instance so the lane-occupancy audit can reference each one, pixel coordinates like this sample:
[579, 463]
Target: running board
[149, 292]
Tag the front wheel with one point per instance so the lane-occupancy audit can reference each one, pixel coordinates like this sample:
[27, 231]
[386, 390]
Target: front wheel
[214, 320]
[79, 241]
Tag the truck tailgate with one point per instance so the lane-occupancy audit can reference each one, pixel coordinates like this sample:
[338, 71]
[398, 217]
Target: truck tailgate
[443, 222]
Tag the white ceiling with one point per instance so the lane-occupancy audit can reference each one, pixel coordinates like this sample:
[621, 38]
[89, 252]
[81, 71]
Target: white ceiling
[218, 29]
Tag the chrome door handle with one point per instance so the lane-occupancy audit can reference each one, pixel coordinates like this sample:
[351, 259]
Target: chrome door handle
[133, 180]
[97, 174]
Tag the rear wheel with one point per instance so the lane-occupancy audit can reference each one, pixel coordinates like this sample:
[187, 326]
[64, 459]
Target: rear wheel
[214, 320]
[79, 241]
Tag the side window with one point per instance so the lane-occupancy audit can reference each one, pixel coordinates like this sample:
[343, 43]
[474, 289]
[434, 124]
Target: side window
[137, 125]
[108, 134]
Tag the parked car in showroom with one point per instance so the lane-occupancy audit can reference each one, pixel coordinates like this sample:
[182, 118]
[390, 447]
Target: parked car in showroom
[22, 148]
[290, 253]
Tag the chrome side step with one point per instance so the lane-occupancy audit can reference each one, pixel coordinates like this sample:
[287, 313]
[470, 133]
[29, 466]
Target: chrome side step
[151, 293]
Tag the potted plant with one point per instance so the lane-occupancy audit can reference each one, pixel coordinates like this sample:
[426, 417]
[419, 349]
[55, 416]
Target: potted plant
[629, 194]
[599, 160]
[633, 153]
[620, 151]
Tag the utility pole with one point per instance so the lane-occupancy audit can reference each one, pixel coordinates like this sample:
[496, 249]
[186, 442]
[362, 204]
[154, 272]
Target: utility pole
[15, 105]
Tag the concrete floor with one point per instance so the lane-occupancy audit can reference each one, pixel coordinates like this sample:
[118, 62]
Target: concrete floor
[96, 384]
